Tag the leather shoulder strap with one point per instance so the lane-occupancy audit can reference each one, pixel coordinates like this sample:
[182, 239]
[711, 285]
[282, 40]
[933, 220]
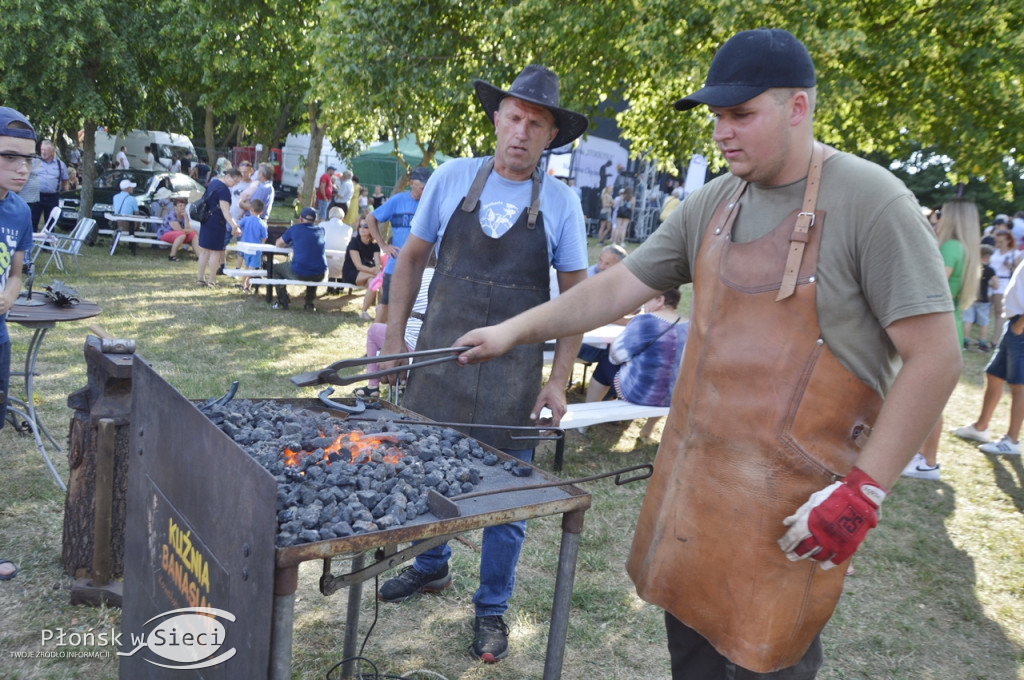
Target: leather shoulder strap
[804, 222]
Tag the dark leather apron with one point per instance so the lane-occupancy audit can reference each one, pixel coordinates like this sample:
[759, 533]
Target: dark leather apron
[481, 281]
[763, 415]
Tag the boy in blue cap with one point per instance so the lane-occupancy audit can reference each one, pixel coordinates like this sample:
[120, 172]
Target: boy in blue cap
[17, 151]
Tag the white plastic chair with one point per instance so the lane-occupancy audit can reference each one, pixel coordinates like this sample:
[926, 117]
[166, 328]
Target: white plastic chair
[68, 244]
[46, 236]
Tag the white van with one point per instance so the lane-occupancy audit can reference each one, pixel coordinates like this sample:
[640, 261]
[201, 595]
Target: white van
[164, 146]
[294, 155]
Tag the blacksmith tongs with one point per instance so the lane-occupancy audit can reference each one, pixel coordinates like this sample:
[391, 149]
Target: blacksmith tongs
[330, 375]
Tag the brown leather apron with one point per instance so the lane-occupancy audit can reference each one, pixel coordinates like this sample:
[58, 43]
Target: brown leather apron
[763, 415]
[481, 281]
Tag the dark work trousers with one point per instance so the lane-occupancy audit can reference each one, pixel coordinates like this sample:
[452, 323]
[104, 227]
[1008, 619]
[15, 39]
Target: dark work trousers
[693, 658]
[47, 202]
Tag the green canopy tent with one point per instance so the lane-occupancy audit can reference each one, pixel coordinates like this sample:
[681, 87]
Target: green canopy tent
[378, 164]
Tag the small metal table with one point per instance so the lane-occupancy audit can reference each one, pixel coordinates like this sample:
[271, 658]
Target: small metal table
[40, 318]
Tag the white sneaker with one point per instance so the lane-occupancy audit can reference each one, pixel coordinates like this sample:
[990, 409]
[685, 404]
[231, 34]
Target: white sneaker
[365, 316]
[1004, 446]
[971, 433]
[919, 468]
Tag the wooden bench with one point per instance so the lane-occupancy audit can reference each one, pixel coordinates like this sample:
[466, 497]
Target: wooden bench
[335, 285]
[579, 416]
[242, 273]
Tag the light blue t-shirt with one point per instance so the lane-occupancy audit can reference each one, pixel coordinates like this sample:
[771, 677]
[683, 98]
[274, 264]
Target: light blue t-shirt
[501, 203]
[15, 235]
[125, 204]
[399, 211]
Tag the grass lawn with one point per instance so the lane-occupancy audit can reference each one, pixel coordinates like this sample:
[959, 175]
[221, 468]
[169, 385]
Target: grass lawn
[938, 592]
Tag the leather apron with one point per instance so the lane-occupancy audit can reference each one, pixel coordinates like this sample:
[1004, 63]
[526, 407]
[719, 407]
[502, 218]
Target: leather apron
[762, 416]
[482, 281]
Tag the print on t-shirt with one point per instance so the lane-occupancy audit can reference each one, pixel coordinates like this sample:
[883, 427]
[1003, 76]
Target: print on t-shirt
[497, 218]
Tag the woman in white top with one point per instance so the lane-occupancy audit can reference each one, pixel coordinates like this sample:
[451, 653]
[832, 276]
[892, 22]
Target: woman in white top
[1004, 260]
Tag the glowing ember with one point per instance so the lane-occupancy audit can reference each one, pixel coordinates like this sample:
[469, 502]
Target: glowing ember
[359, 446]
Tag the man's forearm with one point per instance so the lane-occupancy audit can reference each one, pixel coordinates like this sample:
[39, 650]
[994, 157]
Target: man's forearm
[566, 350]
[931, 368]
[596, 301]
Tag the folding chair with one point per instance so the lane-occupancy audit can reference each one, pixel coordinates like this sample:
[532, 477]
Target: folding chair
[68, 245]
[46, 236]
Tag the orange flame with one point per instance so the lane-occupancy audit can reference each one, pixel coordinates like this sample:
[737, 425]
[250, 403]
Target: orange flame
[360, 444]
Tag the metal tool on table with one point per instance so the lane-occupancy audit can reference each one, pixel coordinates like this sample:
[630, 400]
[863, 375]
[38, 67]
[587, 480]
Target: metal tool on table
[444, 507]
[28, 275]
[111, 345]
[330, 375]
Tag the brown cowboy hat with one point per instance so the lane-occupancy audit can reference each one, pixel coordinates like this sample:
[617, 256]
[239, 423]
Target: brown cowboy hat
[537, 85]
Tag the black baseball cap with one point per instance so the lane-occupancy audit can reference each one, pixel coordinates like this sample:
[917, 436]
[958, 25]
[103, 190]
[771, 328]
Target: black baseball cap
[751, 62]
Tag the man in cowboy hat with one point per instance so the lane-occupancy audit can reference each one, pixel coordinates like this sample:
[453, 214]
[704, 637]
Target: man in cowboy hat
[501, 224]
[817, 291]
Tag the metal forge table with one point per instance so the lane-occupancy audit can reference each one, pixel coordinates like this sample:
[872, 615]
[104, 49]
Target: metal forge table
[202, 524]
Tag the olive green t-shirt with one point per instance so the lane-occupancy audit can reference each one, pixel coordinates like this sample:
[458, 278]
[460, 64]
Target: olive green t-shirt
[879, 260]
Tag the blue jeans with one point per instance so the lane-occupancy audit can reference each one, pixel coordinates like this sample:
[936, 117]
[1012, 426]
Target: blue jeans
[321, 208]
[499, 556]
[1008, 361]
[5, 378]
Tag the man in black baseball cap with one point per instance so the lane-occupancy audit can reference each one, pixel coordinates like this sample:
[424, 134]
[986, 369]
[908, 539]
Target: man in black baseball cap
[821, 314]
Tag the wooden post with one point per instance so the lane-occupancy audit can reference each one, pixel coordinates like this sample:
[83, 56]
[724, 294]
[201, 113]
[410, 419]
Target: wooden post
[107, 396]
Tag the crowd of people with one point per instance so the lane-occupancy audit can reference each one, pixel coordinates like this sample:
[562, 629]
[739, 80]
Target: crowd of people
[873, 348]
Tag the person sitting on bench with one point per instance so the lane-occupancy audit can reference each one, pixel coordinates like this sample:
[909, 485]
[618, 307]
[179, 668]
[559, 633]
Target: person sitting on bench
[642, 363]
[309, 258]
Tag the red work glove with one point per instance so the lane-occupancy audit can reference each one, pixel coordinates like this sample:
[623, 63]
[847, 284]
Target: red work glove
[831, 524]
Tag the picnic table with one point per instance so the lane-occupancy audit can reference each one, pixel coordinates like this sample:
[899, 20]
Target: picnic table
[267, 252]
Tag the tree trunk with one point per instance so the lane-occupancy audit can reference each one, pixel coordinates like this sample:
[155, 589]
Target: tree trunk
[88, 178]
[316, 142]
[211, 148]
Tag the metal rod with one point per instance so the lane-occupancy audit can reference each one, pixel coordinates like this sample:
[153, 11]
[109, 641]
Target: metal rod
[355, 596]
[348, 380]
[103, 502]
[565, 577]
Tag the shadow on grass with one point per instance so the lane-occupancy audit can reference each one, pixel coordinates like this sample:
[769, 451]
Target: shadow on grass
[912, 607]
[1009, 476]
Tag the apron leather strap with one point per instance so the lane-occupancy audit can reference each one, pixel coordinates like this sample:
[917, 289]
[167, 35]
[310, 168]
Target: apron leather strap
[475, 189]
[531, 222]
[726, 213]
[804, 222]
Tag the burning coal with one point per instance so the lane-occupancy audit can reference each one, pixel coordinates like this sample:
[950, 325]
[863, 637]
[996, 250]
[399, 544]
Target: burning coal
[336, 479]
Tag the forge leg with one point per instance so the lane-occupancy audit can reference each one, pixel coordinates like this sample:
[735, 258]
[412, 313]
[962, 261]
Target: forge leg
[286, 582]
[355, 596]
[572, 525]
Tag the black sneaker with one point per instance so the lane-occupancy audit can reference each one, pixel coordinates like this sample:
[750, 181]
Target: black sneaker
[490, 639]
[409, 582]
[309, 307]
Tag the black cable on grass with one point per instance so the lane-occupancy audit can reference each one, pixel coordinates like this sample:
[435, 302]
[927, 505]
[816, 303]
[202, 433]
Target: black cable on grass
[359, 658]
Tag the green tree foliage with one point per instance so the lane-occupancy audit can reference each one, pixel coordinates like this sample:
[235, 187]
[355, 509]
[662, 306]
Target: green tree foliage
[894, 77]
[86, 62]
[890, 74]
